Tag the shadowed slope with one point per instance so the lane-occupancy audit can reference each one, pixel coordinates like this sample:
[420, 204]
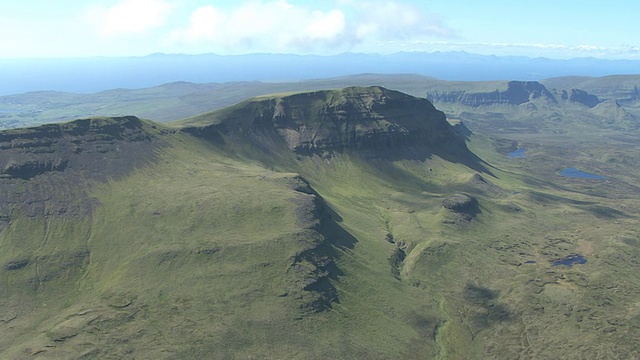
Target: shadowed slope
[374, 121]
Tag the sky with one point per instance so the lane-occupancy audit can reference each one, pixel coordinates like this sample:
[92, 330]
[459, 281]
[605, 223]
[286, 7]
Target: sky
[559, 29]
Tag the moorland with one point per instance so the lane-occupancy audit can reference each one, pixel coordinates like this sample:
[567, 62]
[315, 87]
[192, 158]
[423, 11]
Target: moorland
[375, 216]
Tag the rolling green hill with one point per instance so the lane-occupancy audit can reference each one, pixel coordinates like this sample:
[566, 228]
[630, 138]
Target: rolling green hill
[352, 223]
[567, 98]
[173, 101]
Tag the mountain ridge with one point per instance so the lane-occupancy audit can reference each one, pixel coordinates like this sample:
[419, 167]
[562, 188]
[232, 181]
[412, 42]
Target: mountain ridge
[323, 122]
[171, 102]
[227, 237]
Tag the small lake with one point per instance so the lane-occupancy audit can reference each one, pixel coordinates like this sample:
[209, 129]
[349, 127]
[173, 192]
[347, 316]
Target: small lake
[569, 260]
[575, 173]
[518, 153]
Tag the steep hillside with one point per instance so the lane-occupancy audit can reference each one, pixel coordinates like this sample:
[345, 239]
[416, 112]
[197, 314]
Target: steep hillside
[353, 223]
[374, 120]
[515, 93]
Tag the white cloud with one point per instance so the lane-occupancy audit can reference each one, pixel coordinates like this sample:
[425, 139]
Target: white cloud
[280, 26]
[129, 16]
[257, 26]
[388, 20]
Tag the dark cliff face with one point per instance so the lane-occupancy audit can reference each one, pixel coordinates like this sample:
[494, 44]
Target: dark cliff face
[582, 97]
[354, 118]
[96, 146]
[517, 93]
[45, 170]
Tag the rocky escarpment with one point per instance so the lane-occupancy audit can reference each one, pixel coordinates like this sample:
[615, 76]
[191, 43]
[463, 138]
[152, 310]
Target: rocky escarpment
[312, 266]
[516, 93]
[463, 205]
[324, 122]
[581, 97]
[43, 169]
[87, 145]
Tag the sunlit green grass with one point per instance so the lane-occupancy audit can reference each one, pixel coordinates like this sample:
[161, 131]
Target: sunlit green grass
[191, 256]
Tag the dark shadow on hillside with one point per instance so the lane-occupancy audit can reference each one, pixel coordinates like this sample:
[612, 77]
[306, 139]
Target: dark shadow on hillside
[324, 241]
[591, 207]
[328, 218]
[211, 133]
[336, 234]
[545, 198]
[604, 212]
[464, 205]
[462, 130]
[401, 178]
[323, 256]
[453, 154]
[486, 309]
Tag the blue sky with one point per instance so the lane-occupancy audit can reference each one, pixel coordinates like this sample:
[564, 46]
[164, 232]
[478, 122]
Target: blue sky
[541, 28]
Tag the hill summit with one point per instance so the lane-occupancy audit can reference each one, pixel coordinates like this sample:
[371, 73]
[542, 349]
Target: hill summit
[324, 122]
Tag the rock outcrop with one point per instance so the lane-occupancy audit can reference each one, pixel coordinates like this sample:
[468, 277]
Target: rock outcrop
[516, 93]
[44, 170]
[464, 205]
[313, 265]
[322, 122]
[581, 97]
[93, 145]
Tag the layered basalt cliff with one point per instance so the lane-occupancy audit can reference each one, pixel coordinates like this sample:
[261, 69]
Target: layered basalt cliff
[354, 118]
[516, 93]
[98, 146]
[43, 169]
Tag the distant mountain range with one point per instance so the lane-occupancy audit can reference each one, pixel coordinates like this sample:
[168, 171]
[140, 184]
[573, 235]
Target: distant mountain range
[101, 73]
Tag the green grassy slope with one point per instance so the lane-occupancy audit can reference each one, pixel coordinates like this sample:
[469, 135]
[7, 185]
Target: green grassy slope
[195, 254]
[490, 281]
[215, 247]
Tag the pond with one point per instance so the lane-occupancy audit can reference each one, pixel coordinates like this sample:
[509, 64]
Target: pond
[569, 260]
[518, 153]
[575, 173]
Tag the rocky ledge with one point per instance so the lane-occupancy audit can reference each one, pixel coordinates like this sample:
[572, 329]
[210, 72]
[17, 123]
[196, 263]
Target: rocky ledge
[354, 118]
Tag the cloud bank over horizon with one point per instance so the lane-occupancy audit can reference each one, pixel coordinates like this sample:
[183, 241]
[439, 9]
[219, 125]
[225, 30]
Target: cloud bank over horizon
[79, 28]
[270, 26]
